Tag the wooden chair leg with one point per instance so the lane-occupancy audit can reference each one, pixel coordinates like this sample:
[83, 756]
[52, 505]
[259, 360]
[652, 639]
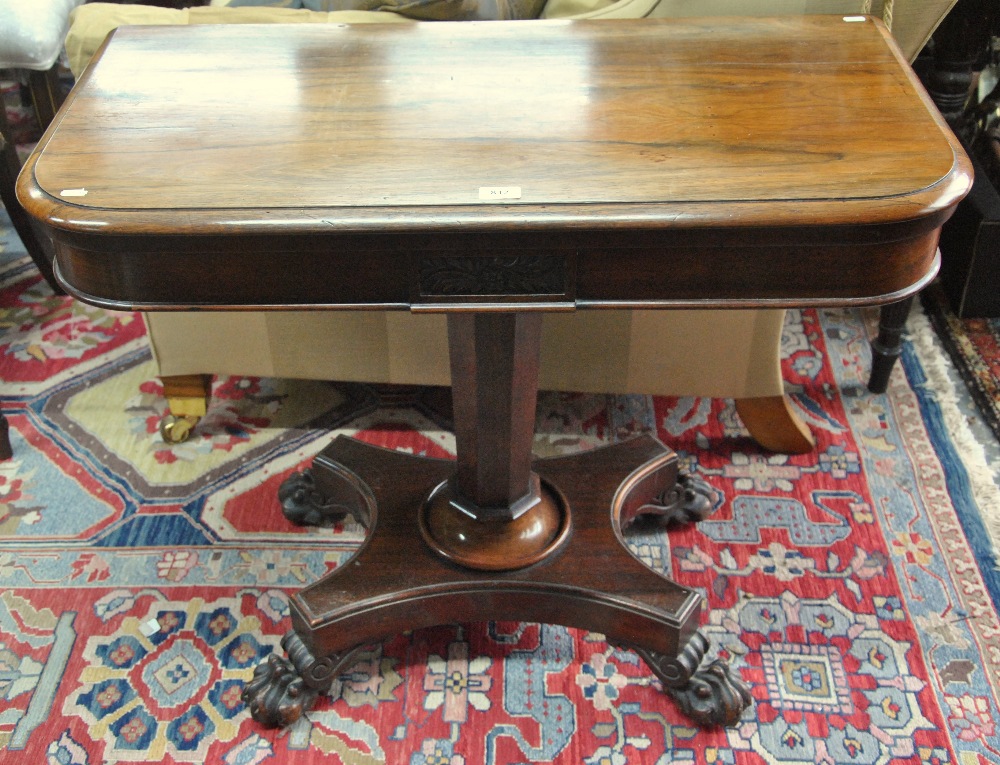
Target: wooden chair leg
[6, 450]
[774, 424]
[187, 402]
[889, 343]
[36, 244]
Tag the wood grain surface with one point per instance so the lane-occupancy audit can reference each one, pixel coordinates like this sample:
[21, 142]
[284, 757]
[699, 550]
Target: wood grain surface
[626, 111]
[775, 149]
[396, 583]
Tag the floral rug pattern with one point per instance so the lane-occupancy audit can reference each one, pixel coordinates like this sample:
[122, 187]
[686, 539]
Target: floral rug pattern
[140, 583]
[974, 347]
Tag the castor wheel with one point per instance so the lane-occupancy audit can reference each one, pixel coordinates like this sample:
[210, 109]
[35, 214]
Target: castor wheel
[177, 430]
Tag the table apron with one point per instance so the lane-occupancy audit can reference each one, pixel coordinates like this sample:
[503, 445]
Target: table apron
[550, 278]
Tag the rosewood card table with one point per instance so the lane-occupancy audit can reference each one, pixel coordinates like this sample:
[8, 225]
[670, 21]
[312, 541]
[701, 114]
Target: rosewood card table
[494, 171]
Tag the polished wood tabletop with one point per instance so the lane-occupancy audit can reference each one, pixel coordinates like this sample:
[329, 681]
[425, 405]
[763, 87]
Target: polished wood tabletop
[555, 135]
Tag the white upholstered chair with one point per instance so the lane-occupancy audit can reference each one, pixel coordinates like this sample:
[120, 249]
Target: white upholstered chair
[31, 40]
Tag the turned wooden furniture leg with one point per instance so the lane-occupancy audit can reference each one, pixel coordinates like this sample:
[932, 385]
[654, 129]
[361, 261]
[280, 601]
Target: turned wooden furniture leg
[36, 245]
[6, 451]
[187, 402]
[889, 343]
[503, 539]
[774, 424]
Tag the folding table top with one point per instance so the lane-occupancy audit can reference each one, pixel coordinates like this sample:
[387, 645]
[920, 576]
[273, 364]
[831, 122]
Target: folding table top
[558, 127]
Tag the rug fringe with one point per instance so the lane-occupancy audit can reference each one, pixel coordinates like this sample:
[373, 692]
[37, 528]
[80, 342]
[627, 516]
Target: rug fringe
[934, 360]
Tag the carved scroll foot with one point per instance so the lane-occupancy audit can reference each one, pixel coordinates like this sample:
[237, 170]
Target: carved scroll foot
[304, 505]
[326, 492]
[712, 695]
[282, 690]
[276, 695]
[689, 500]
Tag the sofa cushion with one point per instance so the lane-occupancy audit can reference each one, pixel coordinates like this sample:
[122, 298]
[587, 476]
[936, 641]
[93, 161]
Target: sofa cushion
[93, 22]
[427, 10]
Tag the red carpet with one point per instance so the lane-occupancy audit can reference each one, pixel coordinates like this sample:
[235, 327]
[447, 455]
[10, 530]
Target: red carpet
[850, 587]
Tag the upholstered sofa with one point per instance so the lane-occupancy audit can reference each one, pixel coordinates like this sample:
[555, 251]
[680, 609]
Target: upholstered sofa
[733, 354]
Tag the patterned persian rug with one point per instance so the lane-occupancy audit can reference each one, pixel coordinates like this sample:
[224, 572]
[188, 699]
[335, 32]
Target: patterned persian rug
[974, 347]
[854, 589]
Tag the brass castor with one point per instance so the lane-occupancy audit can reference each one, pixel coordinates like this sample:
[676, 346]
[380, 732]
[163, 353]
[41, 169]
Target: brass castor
[187, 402]
[177, 430]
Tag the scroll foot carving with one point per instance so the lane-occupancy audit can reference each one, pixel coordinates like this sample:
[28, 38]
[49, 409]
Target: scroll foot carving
[712, 695]
[688, 501]
[304, 505]
[283, 689]
[276, 695]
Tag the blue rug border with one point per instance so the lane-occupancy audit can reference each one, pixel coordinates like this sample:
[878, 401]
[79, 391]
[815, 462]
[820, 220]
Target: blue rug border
[956, 477]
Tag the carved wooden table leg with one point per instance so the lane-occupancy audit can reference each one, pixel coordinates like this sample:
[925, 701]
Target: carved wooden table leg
[495, 536]
[889, 343]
